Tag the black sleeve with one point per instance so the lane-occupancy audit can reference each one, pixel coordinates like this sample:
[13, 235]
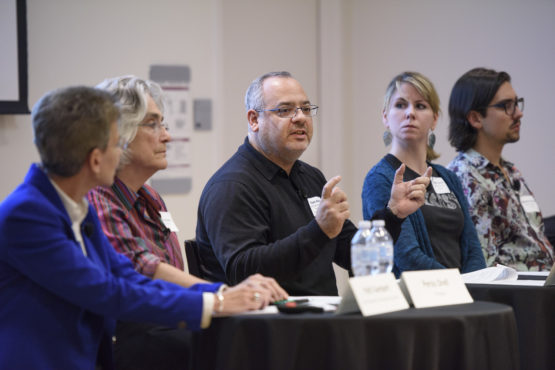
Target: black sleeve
[343, 249]
[237, 223]
[392, 222]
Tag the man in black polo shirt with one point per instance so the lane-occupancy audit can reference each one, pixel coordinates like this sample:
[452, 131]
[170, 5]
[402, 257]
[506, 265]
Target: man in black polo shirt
[265, 211]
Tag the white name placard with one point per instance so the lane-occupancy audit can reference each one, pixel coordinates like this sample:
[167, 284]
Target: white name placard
[431, 288]
[377, 294]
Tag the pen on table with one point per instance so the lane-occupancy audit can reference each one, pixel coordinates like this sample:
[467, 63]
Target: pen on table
[298, 301]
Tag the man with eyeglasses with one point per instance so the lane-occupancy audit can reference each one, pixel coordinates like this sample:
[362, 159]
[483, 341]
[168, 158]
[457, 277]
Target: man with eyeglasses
[135, 219]
[266, 211]
[485, 114]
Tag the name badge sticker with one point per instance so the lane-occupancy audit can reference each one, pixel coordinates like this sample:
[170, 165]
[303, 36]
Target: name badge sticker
[167, 220]
[529, 204]
[440, 187]
[314, 203]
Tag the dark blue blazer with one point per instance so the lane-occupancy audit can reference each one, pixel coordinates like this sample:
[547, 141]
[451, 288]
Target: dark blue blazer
[57, 306]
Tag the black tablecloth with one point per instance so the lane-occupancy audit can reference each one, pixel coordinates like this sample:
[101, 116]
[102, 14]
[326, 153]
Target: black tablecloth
[480, 335]
[534, 308]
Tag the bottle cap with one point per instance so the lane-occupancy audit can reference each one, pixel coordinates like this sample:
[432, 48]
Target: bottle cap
[364, 224]
[378, 223]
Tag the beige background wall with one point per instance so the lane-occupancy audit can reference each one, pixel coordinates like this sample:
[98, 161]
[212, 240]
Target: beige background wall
[344, 53]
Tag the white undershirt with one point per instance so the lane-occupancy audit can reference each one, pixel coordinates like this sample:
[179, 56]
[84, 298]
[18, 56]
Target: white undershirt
[77, 213]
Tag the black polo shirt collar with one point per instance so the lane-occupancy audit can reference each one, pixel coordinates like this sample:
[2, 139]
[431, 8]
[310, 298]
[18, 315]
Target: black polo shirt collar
[266, 167]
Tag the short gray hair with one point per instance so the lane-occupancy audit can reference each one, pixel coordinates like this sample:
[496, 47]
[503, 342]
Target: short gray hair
[132, 93]
[70, 122]
[254, 98]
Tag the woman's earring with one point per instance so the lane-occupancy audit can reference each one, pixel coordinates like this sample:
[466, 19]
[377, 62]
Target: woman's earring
[387, 137]
[431, 139]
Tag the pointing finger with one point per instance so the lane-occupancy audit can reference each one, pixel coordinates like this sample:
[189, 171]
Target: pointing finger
[399, 174]
[326, 191]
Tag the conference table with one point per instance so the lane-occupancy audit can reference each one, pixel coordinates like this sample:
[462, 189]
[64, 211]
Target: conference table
[478, 335]
[534, 308]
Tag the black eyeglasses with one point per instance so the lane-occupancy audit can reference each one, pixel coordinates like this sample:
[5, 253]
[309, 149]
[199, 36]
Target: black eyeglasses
[509, 105]
[290, 112]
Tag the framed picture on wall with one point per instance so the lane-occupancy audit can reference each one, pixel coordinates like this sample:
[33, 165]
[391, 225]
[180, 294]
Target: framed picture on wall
[13, 63]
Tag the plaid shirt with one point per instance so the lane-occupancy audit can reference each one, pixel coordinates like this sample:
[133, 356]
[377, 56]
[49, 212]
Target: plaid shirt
[132, 223]
[509, 235]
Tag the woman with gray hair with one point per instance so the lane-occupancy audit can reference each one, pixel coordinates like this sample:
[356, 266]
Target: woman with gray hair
[134, 218]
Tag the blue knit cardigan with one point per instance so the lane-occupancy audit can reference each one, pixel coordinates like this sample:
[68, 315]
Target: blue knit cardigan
[413, 249]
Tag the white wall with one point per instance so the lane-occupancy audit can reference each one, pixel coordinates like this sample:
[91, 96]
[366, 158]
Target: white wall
[344, 53]
[443, 39]
[226, 44]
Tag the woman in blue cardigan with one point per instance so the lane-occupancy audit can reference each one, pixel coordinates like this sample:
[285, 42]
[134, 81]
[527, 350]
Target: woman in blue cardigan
[440, 234]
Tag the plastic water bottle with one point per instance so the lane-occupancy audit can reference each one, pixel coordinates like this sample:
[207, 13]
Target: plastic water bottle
[364, 259]
[380, 240]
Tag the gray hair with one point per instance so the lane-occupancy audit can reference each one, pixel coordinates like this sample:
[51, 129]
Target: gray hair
[132, 93]
[70, 122]
[254, 98]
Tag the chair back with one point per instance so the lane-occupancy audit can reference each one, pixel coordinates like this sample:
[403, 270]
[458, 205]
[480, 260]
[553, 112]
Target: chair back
[193, 258]
[550, 229]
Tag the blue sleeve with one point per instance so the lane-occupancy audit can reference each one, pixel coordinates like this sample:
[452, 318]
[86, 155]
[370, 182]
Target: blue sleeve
[408, 253]
[210, 287]
[471, 250]
[38, 243]
[376, 192]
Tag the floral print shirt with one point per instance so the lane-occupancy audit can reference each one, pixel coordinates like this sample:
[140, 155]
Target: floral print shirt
[507, 218]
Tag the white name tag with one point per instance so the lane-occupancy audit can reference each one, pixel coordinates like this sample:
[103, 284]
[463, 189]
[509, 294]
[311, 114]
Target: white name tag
[440, 187]
[529, 204]
[377, 294]
[168, 221]
[314, 203]
[431, 288]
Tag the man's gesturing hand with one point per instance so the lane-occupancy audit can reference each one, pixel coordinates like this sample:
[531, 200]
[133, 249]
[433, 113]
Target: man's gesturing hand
[333, 209]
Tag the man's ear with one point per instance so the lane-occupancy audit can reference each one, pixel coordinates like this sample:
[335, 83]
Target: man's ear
[252, 117]
[475, 119]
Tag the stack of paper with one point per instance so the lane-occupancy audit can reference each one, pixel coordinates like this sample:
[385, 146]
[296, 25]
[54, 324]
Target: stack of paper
[491, 274]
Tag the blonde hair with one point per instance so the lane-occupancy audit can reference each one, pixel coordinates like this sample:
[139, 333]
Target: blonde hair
[425, 88]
